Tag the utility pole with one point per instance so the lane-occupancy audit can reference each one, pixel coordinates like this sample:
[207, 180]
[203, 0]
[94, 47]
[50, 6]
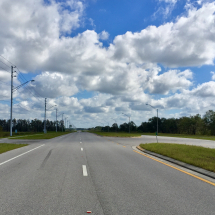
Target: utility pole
[129, 124]
[45, 118]
[65, 122]
[13, 90]
[11, 101]
[56, 119]
[62, 122]
[129, 121]
[157, 121]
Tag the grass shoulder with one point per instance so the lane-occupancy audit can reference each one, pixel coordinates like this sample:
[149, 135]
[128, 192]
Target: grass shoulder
[4, 134]
[194, 155]
[48, 135]
[4, 147]
[116, 134]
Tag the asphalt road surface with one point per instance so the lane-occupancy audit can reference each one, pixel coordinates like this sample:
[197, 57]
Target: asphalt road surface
[82, 172]
[152, 139]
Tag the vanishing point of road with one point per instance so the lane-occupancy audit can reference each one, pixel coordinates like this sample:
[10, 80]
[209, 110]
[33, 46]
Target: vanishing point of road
[81, 172]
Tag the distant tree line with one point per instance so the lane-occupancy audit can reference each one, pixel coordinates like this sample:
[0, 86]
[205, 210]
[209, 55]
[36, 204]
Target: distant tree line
[185, 125]
[36, 125]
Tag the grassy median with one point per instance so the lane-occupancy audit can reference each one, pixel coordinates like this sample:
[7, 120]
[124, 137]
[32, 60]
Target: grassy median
[48, 135]
[194, 155]
[116, 134]
[4, 147]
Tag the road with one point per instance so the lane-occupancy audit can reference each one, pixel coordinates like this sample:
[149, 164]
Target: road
[82, 172]
[161, 139]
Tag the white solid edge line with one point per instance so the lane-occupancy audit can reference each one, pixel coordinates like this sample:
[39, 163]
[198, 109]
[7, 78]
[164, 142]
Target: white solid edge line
[81, 149]
[20, 155]
[84, 170]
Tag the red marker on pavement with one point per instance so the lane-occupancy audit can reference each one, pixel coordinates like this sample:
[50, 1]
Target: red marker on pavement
[89, 212]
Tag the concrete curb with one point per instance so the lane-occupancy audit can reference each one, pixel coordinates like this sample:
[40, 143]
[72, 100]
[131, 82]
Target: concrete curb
[185, 165]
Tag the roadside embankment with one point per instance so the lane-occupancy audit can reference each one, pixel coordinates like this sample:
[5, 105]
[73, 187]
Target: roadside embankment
[194, 155]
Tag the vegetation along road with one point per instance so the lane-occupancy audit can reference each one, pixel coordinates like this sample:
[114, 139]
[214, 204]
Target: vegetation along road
[81, 172]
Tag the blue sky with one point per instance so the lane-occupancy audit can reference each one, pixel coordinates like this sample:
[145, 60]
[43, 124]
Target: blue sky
[96, 59]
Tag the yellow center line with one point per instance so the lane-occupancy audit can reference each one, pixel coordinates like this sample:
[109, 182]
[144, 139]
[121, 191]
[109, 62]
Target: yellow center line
[177, 168]
[124, 146]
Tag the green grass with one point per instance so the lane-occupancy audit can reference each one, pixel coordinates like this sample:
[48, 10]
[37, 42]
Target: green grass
[4, 147]
[7, 134]
[202, 137]
[48, 135]
[116, 134]
[194, 155]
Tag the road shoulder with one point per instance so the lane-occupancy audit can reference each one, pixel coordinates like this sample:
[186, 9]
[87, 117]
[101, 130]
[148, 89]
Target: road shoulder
[179, 163]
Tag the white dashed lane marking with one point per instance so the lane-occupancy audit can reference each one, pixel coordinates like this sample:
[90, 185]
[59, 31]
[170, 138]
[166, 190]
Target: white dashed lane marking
[84, 170]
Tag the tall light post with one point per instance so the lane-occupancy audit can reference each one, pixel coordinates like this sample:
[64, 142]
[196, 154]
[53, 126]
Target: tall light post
[45, 131]
[157, 120]
[65, 122]
[115, 122]
[12, 91]
[62, 121]
[56, 119]
[102, 123]
[57, 116]
[108, 125]
[129, 120]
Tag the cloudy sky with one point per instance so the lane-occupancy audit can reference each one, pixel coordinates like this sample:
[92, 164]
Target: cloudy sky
[97, 59]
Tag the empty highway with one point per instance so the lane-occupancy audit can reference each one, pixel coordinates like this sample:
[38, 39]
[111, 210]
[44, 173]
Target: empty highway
[82, 172]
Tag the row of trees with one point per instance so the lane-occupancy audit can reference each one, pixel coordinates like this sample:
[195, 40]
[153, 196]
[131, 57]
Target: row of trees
[36, 125]
[185, 125]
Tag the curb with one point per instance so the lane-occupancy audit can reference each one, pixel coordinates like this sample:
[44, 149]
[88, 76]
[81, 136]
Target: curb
[185, 165]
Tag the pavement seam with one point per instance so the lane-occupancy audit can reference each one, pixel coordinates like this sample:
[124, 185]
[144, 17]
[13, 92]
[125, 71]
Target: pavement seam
[182, 164]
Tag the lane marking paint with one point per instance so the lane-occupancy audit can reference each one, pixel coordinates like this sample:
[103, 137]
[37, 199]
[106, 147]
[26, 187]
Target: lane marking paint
[81, 149]
[84, 170]
[202, 179]
[20, 155]
[80, 142]
[124, 146]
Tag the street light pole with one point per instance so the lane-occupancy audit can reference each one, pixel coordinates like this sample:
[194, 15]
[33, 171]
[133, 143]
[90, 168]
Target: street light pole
[115, 122]
[65, 122]
[45, 131]
[102, 123]
[11, 102]
[129, 121]
[56, 119]
[157, 120]
[45, 118]
[62, 122]
[108, 125]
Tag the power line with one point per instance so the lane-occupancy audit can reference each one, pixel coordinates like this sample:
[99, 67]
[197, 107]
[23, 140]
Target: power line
[27, 87]
[3, 82]
[5, 101]
[21, 75]
[4, 69]
[5, 63]
[4, 96]
[23, 79]
[21, 107]
[7, 60]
